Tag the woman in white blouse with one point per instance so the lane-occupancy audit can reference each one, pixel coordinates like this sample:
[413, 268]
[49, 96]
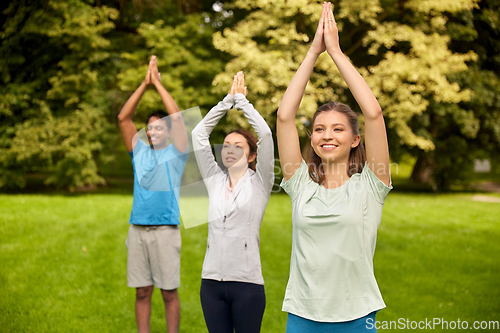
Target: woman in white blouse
[232, 289]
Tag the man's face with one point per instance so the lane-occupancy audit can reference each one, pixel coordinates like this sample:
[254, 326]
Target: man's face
[158, 133]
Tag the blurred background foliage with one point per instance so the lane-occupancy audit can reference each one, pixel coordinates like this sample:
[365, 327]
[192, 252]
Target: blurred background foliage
[67, 67]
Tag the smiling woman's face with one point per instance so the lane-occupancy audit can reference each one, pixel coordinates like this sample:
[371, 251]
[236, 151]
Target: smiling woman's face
[235, 151]
[332, 138]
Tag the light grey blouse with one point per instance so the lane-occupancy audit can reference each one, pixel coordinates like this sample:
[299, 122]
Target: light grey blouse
[233, 227]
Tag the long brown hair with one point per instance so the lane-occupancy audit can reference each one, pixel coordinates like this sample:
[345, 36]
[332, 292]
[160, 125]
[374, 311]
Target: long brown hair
[252, 143]
[357, 155]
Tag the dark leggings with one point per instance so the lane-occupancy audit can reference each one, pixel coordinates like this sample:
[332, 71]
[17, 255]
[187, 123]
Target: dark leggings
[230, 304]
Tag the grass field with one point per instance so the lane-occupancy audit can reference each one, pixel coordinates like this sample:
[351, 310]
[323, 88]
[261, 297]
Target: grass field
[63, 262]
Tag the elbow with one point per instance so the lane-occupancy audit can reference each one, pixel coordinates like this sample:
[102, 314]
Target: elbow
[175, 116]
[266, 133]
[280, 116]
[283, 118]
[374, 114]
[121, 118]
[195, 131]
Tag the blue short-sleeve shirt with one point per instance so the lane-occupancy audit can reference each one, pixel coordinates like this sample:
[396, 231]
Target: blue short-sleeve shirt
[157, 179]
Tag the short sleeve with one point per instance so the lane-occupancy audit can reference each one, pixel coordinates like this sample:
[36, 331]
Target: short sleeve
[294, 186]
[177, 153]
[374, 185]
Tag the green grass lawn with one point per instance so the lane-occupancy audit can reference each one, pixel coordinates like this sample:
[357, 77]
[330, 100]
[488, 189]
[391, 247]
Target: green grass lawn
[63, 262]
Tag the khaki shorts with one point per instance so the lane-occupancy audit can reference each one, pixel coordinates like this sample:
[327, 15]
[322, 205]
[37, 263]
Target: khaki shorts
[153, 256]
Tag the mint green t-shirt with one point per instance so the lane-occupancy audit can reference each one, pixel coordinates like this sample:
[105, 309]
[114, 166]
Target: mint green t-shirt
[333, 243]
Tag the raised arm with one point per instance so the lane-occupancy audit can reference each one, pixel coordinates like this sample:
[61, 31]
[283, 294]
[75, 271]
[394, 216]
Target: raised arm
[265, 146]
[201, 143]
[127, 127]
[288, 138]
[178, 130]
[377, 149]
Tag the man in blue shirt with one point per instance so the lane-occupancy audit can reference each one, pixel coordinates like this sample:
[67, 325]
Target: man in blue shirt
[153, 242]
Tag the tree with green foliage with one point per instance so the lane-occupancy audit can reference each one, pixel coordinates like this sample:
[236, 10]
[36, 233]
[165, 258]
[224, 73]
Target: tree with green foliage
[181, 38]
[186, 58]
[400, 47]
[53, 96]
[471, 130]
[67, 68]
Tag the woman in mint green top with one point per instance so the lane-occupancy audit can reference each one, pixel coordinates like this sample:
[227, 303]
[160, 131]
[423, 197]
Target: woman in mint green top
[337, 199]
